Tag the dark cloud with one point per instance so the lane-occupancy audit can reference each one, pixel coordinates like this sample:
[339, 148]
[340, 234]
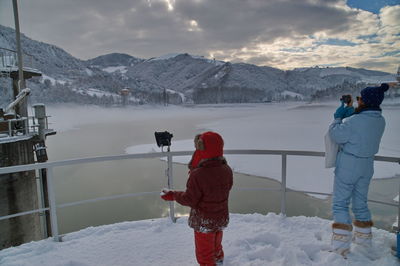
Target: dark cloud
[146, 28]
[88, 28]
[236, 22]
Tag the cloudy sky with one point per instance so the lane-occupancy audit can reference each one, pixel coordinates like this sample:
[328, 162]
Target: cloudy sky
[279, 33]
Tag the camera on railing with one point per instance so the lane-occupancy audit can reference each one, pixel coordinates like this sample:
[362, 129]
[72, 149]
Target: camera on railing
[163, 139]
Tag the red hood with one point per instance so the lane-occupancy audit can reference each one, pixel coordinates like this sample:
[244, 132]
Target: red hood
[213, 147]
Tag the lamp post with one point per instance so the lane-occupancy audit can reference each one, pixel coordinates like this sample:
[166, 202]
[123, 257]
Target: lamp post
[22, 110]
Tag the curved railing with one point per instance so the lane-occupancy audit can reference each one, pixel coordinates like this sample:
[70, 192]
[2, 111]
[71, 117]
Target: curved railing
[51, 165]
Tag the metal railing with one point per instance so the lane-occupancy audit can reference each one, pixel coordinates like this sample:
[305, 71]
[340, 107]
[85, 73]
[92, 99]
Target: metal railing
[53, 206]
[14, 127]
[9, 59]
[17, 127]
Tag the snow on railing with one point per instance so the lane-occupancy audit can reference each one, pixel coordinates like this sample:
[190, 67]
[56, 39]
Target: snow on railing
[8, 59]
[17, 127]
[53, 206]
[14, 127]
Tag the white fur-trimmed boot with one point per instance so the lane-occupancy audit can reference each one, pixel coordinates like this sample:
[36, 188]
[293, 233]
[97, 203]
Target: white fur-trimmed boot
[341, 238]
[363, 233]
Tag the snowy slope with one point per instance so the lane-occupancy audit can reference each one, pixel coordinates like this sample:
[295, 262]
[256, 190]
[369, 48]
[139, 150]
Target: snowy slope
[114, 60]
[170, 72]
[250, 239]
[65, 73]
[347, 73]
[198, 79]
[68, 76]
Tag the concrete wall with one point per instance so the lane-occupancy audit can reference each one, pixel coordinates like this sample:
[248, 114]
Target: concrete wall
[18, 193]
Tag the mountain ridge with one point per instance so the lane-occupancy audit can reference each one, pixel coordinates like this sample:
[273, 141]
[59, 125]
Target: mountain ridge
[183, 77]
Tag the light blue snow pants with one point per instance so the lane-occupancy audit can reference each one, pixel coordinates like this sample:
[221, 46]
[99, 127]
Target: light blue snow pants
[352, 179]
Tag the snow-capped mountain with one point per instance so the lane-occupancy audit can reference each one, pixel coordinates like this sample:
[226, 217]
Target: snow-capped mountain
[68, 79]
[362, 75]
[180, 77]
[114, 63]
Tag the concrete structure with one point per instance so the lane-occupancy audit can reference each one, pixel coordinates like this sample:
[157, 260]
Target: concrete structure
[18, 192]
[19, 142]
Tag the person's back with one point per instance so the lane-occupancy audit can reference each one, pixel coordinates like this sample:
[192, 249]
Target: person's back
[360, 134]
[213, 179]
[359, 137]
[207, 194]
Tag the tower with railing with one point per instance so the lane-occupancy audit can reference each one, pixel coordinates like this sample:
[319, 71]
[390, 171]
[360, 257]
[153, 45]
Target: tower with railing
[22, 141]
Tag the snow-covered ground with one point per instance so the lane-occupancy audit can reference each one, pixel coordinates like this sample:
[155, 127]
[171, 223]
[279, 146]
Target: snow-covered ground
[250, 239]
[121, 69]
[52, 80]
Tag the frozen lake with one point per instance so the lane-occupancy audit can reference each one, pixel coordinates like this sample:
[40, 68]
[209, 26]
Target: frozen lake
[94, 131]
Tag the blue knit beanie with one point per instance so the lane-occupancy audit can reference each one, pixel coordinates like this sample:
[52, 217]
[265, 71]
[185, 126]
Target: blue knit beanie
[373, 96]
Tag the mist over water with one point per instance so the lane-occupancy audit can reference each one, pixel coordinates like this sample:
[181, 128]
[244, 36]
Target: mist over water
[90, 131]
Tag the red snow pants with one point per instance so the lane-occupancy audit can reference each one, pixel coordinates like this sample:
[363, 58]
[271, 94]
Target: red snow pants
[208, 247]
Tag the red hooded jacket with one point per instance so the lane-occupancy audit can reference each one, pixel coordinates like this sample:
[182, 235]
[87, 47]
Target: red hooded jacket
[208, 186]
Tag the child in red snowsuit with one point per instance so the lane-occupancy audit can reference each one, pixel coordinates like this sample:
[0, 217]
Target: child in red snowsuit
[207, 193]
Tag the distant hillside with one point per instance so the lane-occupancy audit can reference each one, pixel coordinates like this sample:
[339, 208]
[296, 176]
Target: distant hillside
[183, 77]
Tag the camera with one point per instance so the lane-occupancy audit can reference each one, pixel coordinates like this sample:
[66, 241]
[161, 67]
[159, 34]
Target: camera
[346, 98]
[163, 138]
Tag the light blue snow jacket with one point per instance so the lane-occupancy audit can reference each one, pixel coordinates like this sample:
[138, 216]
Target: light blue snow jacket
[358, 137]
[360, 134]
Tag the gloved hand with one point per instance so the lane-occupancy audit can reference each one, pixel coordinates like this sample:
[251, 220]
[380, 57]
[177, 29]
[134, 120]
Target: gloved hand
[340, 112]
[167, 195]
[349, 111]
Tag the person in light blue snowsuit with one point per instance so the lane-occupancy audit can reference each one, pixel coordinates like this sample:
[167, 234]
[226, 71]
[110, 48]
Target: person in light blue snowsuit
[358, 137]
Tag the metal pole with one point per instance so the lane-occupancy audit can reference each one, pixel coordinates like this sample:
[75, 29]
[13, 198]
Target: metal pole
[42, 215]
[40, 115]
[10, 132]
[53, 205]
[170, 186]
[18, 42]
[26, 123]
[398, 229]
[283, 186]
[21, 85]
